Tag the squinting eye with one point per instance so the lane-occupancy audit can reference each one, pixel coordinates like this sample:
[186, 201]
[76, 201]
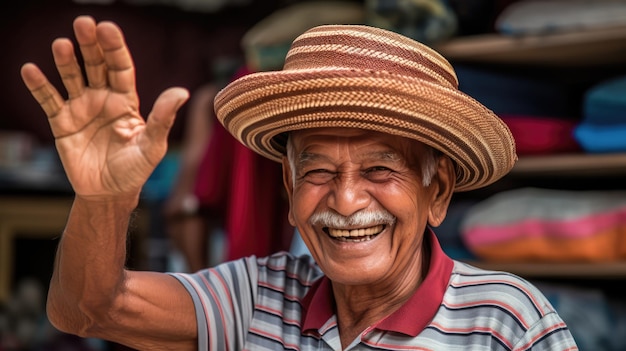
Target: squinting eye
[377, 173]
[319, 176]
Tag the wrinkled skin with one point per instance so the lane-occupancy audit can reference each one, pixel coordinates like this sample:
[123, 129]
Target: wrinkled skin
[347, 171]
[108, 151]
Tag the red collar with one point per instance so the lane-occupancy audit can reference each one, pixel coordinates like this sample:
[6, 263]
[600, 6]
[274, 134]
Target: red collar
[410, 319]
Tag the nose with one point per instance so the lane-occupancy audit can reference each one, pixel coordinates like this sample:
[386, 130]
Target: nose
[349, 194]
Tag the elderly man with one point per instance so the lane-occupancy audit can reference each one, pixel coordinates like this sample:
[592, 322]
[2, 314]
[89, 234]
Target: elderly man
[374, 138]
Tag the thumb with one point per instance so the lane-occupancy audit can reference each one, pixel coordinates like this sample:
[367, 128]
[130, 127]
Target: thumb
[161, 118]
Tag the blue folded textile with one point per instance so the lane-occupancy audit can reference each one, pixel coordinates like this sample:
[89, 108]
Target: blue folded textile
[603, 126]
[601, 138]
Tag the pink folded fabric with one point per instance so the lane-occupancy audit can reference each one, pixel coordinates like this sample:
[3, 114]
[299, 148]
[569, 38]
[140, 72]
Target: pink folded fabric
[532, 224]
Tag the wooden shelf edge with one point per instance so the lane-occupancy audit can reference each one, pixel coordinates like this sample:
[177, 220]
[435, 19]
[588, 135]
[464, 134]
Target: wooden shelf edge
[582, 270]
[571, 47]
[581, 164]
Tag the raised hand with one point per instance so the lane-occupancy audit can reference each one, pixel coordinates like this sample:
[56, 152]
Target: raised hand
[106, 147]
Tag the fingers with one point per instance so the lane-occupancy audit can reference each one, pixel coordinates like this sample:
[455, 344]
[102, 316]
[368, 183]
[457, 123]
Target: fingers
[162, 118]
[120, 70]
[106, 56]
[69, 70]
[67, 66]
[46, 95]
[95, 66]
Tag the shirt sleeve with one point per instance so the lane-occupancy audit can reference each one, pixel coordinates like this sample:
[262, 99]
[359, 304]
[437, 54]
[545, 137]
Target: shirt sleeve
[223, 297]
[548, 333]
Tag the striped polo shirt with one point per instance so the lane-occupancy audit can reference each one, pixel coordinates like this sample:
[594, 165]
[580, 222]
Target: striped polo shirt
[282, 302]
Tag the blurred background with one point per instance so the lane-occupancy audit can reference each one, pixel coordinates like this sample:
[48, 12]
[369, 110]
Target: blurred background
[555, 71]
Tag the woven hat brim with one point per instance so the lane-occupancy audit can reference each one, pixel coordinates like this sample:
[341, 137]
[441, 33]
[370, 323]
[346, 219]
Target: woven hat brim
[260, 108]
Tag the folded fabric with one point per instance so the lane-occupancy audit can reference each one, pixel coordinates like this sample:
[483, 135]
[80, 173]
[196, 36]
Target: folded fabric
[267, 42]
[536, 135]
[427, 21]
[601, 139]
[547, 225]
[604, 104]
[505, 92]
[545, 16]
[603, 127]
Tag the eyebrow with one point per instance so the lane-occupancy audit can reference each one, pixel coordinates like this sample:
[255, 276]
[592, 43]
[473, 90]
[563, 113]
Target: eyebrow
[305, 157]
[384, 155]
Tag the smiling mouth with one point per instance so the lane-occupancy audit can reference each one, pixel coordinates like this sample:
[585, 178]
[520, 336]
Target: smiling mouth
[354, 235]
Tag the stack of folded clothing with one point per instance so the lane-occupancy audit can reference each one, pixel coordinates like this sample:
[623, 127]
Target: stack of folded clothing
[533, 224]
[549, 16]
[603, 128]
[538, 111]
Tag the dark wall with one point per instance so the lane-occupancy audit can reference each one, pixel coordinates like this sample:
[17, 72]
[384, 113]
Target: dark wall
[170, 47]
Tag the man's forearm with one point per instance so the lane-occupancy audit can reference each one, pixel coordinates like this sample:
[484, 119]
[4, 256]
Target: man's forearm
[89, 267]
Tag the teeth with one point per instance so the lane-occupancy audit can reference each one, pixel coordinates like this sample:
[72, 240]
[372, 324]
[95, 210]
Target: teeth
[363, 232]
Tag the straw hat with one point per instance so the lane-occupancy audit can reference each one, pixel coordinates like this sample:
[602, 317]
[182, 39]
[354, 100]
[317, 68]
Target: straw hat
[357, 76]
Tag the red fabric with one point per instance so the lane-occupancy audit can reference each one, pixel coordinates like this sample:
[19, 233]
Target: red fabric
[542, 135]
[246, 191]
[214, 171]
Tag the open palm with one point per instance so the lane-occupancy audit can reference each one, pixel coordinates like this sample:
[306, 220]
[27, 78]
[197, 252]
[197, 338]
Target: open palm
[106, 147]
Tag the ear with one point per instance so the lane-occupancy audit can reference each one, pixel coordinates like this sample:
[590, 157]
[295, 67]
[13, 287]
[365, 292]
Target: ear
[288, 183]
[442, 189]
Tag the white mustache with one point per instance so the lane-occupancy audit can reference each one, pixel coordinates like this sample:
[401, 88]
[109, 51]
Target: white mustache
[358, 219]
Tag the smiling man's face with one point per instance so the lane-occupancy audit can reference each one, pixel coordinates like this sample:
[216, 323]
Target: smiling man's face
[358, 199]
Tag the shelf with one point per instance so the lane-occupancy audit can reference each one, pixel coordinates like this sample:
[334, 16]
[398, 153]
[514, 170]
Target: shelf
[44, 218]
[578, 165]
[598, 46]
[609, 270]
[34, 217]
[569, 164]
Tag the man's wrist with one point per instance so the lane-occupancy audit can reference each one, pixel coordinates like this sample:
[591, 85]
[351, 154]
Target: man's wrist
[117, 203]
